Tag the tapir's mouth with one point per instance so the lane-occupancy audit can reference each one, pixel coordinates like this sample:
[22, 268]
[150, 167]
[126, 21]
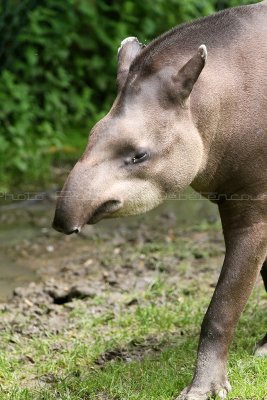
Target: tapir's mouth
[105, 210]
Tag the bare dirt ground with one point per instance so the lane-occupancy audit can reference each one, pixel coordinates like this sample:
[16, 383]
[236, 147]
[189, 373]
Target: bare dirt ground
[178, 242]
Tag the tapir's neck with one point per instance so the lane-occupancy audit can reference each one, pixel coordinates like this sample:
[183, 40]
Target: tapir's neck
[224, 97]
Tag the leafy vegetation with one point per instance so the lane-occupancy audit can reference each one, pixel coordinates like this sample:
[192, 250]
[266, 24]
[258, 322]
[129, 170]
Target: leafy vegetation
[57, 70]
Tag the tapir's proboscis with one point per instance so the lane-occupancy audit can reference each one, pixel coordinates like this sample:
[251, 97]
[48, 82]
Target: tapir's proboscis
[191, 110]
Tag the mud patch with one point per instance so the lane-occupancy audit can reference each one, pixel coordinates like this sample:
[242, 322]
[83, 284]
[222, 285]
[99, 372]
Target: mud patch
[107, 266]
[136, 351]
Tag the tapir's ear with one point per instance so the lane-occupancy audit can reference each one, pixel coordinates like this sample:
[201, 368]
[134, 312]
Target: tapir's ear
[127, 52]
[187, 76]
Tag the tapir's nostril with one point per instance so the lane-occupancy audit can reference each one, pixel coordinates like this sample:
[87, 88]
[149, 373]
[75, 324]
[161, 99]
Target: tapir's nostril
[71, 231]
[60, 225]
[75, 230]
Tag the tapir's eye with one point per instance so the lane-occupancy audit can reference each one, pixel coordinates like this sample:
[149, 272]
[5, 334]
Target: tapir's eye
[140, 157]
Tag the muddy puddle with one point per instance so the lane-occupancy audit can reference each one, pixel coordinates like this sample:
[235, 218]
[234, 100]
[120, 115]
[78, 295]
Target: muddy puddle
[30, 251]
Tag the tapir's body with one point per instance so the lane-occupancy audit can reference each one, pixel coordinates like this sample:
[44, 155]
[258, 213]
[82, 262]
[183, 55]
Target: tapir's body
[182, 119]
[229, 101]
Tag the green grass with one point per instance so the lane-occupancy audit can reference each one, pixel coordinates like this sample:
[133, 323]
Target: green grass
[114, 347]
[153, 346]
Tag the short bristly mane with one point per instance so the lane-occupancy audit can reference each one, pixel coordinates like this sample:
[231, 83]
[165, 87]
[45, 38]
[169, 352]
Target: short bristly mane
[215, 31]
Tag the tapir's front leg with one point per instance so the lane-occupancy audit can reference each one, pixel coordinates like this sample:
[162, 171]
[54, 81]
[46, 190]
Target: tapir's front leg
[245, 232]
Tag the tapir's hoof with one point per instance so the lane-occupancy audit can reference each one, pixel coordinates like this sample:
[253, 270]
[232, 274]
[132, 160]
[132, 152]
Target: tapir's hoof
[191, 393]
[261, 348]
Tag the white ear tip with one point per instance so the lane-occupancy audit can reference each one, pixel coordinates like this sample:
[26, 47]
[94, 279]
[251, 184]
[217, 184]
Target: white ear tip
[127, 40]
[203, 51]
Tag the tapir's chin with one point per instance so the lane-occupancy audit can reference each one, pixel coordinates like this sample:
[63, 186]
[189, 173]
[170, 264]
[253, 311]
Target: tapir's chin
[96, 219]
[108, 209]
[136, 208]
[122, 209]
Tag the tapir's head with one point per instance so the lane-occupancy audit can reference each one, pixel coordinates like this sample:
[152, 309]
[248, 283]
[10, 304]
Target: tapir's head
[146, 148]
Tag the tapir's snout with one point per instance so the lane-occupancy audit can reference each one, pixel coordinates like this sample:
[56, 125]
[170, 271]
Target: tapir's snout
[64, 219]
[61, 226]
[85, 199]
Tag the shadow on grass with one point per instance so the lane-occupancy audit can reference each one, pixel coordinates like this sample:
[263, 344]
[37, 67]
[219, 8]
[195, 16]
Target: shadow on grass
[136, 372]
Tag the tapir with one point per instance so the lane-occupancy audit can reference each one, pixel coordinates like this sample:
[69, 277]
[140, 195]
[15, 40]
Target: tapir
[191, 110]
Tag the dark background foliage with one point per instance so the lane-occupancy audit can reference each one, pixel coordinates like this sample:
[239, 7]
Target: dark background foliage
[58, 68]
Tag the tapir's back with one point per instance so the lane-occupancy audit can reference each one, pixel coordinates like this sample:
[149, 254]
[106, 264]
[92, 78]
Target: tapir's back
[220, 31]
